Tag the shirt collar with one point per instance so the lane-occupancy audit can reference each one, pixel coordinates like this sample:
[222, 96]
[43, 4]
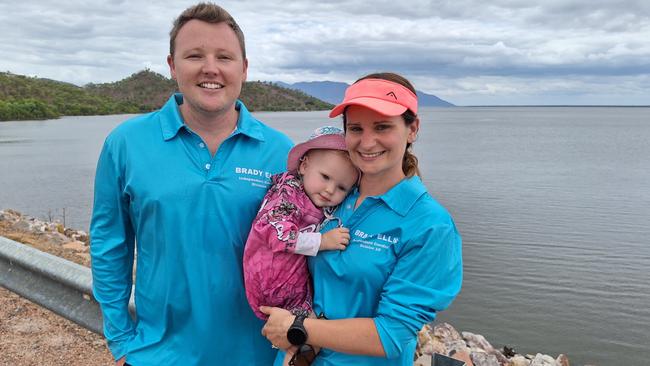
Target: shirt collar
[171, 120]
[247, 124]
[403, 195]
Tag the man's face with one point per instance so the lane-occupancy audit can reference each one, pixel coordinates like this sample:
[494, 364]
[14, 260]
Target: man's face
[209, 68]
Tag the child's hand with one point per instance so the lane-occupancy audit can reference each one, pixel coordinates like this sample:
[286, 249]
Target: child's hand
[335, 239]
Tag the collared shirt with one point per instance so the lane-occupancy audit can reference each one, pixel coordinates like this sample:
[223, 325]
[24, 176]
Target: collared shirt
[403, 264]
[159, 189]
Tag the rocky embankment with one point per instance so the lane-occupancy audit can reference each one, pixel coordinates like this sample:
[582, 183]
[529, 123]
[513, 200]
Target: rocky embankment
[51, 237]
[445, 339]
[442, 338]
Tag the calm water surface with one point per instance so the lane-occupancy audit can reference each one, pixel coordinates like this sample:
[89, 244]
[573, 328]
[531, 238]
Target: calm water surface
[553, 205]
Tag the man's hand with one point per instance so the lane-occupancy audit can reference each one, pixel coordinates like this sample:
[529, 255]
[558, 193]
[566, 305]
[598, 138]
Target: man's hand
[121, 361]
[335, 239]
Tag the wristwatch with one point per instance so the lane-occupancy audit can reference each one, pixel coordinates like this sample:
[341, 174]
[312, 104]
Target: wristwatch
[297, 335]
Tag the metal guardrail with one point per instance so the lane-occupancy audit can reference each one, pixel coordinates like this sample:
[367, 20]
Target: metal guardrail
[52, 282]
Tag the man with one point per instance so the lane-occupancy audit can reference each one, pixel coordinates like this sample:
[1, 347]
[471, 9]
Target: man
[182, 185]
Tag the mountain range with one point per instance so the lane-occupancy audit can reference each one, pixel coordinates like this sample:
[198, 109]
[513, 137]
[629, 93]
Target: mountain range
[332, 92]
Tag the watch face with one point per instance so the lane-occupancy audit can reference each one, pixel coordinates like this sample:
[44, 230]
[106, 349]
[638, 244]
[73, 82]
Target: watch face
[296, 336]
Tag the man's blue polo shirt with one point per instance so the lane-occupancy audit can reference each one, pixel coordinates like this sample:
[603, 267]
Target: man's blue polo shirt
[188, 213]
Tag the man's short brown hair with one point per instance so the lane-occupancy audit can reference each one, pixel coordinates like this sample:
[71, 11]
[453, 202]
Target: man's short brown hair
[210, 13]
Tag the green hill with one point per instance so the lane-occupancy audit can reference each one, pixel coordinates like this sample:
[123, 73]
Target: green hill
[266, 96]
[28, 98]
[146, 89]
[23, 97]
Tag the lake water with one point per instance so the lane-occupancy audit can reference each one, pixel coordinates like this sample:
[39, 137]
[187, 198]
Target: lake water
[553, 205]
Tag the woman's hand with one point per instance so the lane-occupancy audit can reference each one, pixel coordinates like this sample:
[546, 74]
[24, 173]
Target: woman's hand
[276, 327]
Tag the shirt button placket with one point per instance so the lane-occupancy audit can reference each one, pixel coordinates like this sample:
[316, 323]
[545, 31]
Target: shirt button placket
[204, 153]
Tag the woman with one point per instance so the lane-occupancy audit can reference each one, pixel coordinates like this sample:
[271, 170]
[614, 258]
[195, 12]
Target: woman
[403, 263]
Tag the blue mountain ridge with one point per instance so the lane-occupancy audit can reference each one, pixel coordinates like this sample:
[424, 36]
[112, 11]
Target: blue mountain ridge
[332, 92]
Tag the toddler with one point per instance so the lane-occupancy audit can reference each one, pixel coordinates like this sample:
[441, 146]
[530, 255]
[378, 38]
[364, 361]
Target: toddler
[286, 229]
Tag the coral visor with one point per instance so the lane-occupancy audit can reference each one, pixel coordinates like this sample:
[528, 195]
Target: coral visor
[382, 96]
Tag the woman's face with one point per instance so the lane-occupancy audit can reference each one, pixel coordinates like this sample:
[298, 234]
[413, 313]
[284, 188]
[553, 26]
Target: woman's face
[377, 143]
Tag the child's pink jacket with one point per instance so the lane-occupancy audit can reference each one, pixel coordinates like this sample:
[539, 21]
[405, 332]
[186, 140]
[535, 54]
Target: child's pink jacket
[273, 274]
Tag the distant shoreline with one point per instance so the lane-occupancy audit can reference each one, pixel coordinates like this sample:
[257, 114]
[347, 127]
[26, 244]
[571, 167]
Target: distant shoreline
[554, 106]
[136, 114]
[289, 111]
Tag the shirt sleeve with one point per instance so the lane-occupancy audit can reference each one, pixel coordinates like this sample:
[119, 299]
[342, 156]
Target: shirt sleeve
[308, 244]
[425, 280]
[112, 252]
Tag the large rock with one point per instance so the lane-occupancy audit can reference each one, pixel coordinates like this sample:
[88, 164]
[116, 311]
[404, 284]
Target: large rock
[443, 338]
[428, 343]
[519, 360]
[543, 360]
[424, 360]
[503, 360]
[484, 359]
[451, 338]
[458, 346]
[562, 360]
[477, 341]
[446, 332]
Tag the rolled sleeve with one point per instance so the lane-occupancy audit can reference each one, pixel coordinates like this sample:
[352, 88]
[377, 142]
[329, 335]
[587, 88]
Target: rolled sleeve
[112, 252]
[426, 279]
[308, 244]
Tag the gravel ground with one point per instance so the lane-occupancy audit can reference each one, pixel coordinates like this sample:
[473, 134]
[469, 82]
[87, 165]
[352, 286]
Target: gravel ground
[32, 335]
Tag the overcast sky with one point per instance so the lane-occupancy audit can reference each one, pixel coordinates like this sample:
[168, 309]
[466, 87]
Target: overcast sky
[466, 52]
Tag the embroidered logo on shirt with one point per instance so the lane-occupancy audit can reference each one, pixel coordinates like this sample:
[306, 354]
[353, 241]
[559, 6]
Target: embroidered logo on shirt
[376, 242]
[257, 177]
[255, 172]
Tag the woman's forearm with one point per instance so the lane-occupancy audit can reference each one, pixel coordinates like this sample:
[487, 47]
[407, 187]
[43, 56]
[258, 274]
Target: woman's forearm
[354, 336]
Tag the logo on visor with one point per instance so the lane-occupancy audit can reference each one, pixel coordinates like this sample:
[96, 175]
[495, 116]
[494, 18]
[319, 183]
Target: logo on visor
[392, 95]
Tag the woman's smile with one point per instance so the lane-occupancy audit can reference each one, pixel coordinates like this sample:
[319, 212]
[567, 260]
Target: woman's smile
[371, 156]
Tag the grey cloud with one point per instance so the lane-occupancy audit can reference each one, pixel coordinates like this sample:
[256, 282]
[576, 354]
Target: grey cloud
[493, 51]
[101, 41]
[459, 47]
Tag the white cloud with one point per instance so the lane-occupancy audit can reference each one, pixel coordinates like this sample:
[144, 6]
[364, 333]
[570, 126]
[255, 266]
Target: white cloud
[463, 51]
